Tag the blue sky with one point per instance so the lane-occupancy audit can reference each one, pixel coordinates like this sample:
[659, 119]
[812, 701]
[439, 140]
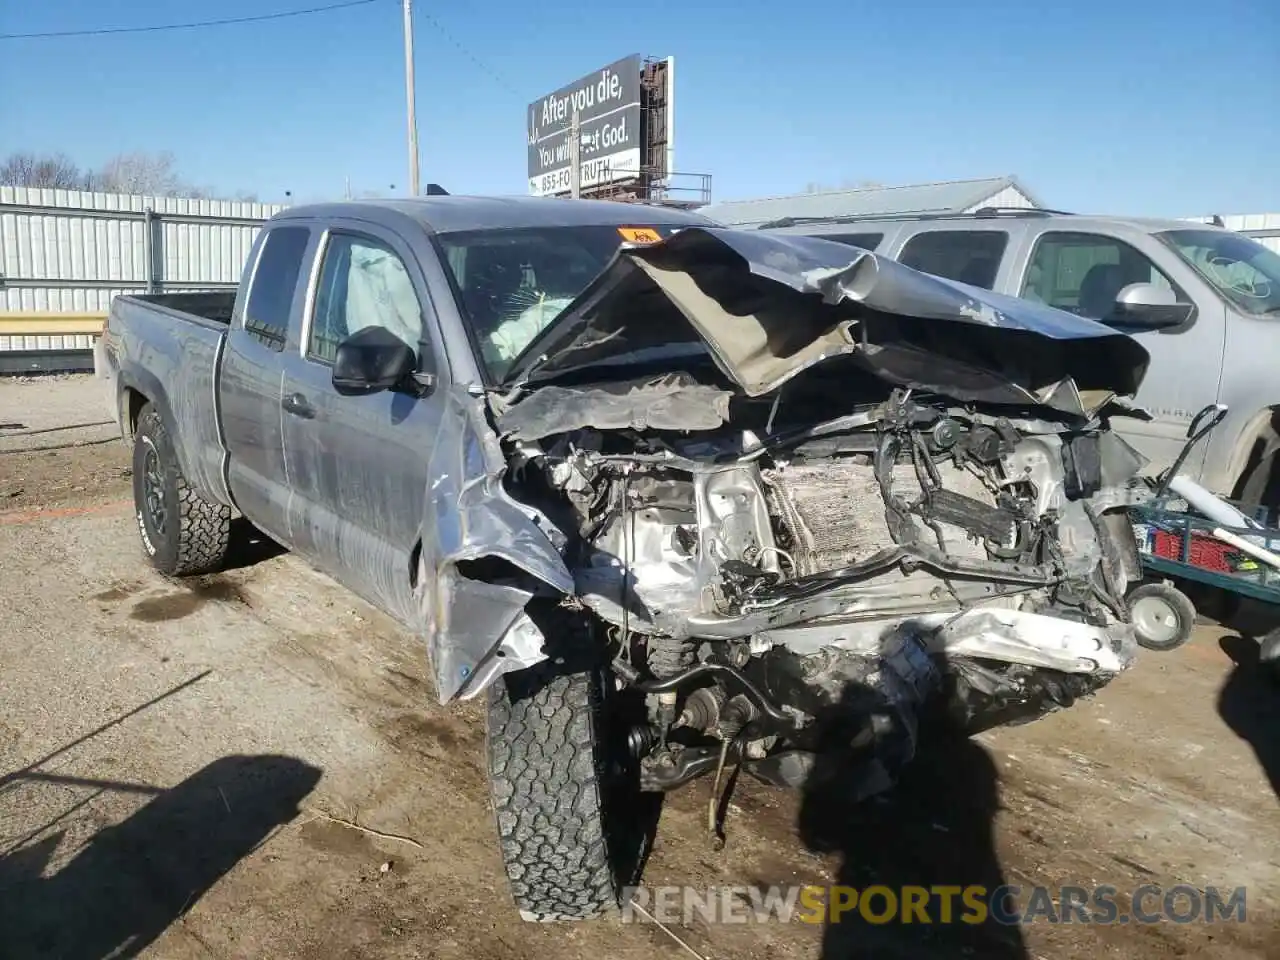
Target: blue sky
[1126, 106]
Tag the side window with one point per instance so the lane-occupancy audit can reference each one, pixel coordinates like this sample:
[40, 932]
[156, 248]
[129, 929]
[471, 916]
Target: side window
[867, 241]
[1084, 272]
[363, 283]
[969, 256]
[266, 312]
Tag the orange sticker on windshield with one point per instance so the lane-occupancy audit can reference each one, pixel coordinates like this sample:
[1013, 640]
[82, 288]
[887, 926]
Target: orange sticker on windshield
[639, 234]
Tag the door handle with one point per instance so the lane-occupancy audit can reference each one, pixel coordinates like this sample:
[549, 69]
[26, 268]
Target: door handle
[299, 406]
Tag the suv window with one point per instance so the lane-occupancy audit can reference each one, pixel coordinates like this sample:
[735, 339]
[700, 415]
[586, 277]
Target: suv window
[867, 241]
[266, 312]
[969, 256]
[363, 283]
[1084, 272]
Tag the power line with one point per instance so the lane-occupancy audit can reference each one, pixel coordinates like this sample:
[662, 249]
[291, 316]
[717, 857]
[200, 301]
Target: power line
[187, 26]
[484, 67]
[258, 18]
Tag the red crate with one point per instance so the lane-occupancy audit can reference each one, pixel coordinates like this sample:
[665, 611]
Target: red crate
[1206, 552]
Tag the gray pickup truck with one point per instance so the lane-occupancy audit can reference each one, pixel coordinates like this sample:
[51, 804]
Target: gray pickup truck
[673, 497]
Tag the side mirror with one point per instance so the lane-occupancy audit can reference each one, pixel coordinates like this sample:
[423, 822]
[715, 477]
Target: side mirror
[1146, 306]
[371, 360]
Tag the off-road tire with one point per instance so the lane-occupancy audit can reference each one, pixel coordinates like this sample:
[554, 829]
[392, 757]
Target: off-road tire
[1176, 604]
[195, 532]
[547, 772]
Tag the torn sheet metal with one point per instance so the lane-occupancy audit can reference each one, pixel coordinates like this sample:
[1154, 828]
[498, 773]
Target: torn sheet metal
[670, 402]
[470, 517]
[768, 306]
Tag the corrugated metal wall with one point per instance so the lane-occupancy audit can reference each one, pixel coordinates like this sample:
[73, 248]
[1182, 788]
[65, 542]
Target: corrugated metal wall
[70, 251]
[43, 342]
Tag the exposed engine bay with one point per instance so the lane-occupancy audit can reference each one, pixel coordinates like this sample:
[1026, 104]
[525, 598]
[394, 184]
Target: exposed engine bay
[814, 559]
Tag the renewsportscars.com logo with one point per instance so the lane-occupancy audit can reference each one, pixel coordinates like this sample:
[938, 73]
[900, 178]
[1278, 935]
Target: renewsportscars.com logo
[939, 904]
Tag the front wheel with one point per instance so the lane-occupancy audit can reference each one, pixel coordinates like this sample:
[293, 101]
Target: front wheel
[182, 532]
[567, 815]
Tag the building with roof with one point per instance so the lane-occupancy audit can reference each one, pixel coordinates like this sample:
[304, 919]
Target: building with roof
[950, 197]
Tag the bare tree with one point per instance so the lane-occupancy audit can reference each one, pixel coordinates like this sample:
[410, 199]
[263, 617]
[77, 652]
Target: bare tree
[152, 174]
[54, 170]
[139, 172]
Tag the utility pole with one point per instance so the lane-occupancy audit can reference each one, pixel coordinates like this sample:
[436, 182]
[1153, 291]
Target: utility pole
[408, 85]
[575, 157]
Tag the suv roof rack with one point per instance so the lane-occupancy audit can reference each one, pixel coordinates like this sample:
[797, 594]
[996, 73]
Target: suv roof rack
[982, 213]
[985, 212]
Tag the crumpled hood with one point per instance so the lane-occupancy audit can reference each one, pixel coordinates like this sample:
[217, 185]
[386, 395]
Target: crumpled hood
[767, 306]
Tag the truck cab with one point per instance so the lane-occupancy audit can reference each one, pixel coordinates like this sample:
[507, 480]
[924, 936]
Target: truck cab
[248, 382]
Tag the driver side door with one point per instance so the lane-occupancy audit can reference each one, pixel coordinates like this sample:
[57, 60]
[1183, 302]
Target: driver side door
[358, 464]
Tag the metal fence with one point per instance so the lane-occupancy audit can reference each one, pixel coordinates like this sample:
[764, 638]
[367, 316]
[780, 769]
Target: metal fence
[65, 253]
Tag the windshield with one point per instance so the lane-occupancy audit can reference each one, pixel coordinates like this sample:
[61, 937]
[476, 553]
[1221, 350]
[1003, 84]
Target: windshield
[511, 284]
[1242, 270]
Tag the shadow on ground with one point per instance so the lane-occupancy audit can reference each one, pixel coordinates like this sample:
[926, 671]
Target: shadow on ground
[249, 546]
[126, 886]
[1249, 702]
[933, 829]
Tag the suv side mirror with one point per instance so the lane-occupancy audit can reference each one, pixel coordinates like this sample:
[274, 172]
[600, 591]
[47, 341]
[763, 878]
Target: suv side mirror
[371, 360]
[1146, 306]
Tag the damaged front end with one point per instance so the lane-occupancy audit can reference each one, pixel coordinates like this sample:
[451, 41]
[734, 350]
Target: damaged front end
[805, 501]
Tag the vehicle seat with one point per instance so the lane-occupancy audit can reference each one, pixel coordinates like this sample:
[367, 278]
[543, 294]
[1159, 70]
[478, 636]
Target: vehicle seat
[977, 272]
[1099, 289]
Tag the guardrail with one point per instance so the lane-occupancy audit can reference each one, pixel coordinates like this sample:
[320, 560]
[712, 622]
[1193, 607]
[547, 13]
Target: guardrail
[40, 342]
[46, 324]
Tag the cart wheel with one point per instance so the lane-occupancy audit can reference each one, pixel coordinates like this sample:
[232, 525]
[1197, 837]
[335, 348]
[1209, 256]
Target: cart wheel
[1162, 615]
[1269, 654]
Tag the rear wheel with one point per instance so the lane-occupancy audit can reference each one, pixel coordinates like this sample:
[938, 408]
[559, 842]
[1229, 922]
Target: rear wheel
[182, 532]
[1163, 617]
[572, 827]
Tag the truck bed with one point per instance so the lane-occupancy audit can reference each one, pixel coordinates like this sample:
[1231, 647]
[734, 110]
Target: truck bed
[167, 348]
[215, 305]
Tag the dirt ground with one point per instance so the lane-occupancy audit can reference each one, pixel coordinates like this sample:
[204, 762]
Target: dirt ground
[182, 764]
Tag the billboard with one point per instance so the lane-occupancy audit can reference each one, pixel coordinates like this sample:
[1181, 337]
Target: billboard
[608, 105]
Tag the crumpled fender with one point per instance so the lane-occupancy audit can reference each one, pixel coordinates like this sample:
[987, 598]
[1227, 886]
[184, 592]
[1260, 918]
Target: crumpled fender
[476, 629]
